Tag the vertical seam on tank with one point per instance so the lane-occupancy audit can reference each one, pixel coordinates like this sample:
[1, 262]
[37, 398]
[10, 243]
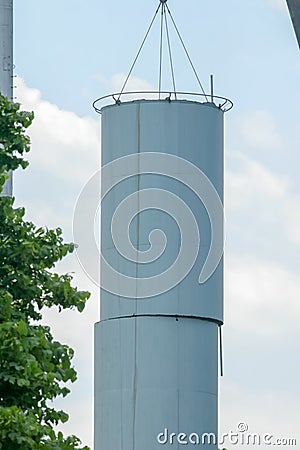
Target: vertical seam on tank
[138, 201]
[136, 274]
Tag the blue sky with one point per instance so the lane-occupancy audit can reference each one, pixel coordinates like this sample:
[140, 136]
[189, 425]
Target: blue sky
[69, 53]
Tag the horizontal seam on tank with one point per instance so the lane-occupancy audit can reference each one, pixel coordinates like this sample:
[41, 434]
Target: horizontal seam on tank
[158, 389]
[176, 316]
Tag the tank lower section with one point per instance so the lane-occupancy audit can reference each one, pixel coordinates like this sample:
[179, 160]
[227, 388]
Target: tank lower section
[155, 378]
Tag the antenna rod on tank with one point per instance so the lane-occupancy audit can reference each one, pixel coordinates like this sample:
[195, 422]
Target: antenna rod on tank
[212, 88]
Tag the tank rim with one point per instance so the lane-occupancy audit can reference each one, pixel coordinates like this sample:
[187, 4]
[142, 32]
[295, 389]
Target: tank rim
[222, 103]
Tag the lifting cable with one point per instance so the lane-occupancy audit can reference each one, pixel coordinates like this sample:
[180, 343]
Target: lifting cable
[186, 52]
[163, 5]
[170, 56]
[161, 47]
[138, 53]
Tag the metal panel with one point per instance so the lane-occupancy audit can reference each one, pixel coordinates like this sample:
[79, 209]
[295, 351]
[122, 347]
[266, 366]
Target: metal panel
[189, 130]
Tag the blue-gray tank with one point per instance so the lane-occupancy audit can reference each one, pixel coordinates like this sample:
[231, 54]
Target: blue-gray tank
[156, 345]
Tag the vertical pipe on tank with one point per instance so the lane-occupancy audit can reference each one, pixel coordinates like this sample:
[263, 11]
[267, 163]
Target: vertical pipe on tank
[212, 88]
[6, 64]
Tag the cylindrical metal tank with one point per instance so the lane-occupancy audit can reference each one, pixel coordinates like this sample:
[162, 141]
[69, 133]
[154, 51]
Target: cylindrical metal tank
[156, 345]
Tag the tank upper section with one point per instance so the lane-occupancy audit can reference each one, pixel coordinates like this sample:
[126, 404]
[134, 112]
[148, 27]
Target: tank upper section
[163, 160]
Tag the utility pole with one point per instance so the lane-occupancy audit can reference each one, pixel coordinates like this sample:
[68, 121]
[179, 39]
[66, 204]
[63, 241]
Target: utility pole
[6, 64]
[294, 9]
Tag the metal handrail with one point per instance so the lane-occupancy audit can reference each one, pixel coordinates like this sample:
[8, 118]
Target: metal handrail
[222, 103]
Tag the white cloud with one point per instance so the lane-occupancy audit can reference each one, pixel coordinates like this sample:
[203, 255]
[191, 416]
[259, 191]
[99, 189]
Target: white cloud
[264, 214]
[63, 143]
[133, 84]
[45, 215]
[278, 4]
[260, 197]
[249, 181]
[260, 131]
[261, 297]
[264, 411]
[293, 221]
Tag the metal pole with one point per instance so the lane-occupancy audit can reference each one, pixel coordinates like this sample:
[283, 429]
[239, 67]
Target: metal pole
[212, 88]
[6, 64]
[221, 351]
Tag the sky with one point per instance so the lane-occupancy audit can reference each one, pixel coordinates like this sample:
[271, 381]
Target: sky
[67, 54]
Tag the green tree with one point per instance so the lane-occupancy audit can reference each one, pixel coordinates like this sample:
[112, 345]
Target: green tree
[34, 368]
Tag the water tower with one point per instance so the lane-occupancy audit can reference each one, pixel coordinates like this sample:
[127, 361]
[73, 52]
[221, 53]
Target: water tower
[157, 342]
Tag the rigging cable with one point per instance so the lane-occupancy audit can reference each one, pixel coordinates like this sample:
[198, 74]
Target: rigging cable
[163, 5]
[186, 52]
[170, 56]
[139, 51]
[161, 48]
